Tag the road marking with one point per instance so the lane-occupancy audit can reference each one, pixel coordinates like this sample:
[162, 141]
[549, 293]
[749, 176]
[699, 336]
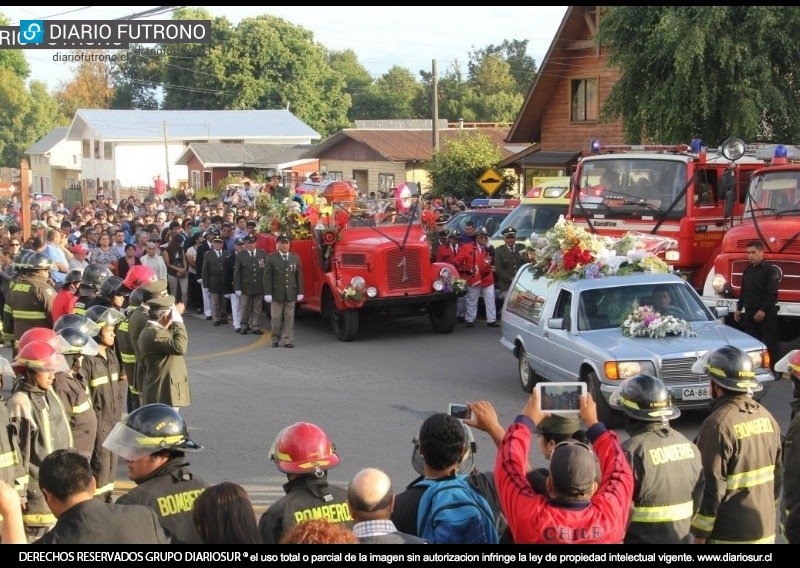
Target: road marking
[263, 340]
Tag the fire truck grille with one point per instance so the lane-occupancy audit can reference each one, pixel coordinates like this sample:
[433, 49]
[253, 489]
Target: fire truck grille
[790, 269]
[403, 269]
[680, 371]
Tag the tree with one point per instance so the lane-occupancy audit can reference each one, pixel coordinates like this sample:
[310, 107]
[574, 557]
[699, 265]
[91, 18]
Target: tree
[456, 167]
[392, 96]
[13, 59]
[137, 79]
[91, 86]
[710, 72]
[493, 94]
[357, 79]
[514, 52]
[454, 95]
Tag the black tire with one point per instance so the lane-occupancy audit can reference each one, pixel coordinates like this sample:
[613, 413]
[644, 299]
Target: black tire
[605, 414]
[527, 378]
[442, 316]
[344, 323]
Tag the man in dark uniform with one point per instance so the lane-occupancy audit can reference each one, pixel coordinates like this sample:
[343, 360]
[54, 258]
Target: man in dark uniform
[30, 298]
[202, 249]
[304, 453]
[283, 287]
[137, 320]
[162, 347]
[756, 309]
[667, 473]
[740, 445]
[248, 282]
[507, 260]
[66, 478]
[213, 277]
[153, 440]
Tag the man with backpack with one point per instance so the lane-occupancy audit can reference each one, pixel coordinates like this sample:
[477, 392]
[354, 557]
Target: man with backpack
[445, 506]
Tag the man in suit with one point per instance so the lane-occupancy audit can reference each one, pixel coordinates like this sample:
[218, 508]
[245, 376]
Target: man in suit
[283, 286]
[202, 249]
[213, 277]
[248, 282]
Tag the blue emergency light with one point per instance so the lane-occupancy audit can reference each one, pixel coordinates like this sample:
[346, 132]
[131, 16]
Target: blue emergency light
[697, 145]
[595, 145]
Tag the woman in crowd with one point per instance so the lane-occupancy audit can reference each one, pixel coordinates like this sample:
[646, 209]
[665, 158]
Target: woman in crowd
[154, 260]
[104, 254]
[127, 261]
[223, 514]
[177, 270]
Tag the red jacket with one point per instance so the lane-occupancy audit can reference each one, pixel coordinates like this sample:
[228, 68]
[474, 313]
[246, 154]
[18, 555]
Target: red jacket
[535, 518]
[475, 265]
[64, 303]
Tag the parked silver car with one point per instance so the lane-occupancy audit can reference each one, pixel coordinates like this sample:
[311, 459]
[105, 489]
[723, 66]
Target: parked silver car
[570, 330]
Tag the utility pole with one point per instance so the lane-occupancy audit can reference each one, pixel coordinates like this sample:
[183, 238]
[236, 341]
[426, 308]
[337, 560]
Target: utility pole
[166, 156]
[435, 105]
[25, 198]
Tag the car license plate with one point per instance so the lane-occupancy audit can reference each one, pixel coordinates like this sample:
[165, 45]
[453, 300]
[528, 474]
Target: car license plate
[696, 393]
[730, 304]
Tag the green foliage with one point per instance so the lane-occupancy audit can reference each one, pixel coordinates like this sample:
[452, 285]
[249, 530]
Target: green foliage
[522, 67]
[356, 79]
[13, 59]
[460, 162]
[392, 96]
[711, 72]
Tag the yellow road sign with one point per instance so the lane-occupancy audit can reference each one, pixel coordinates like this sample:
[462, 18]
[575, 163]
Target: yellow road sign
[490, 181]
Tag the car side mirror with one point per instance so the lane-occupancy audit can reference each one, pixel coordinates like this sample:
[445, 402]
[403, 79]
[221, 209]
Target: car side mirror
[564, 323]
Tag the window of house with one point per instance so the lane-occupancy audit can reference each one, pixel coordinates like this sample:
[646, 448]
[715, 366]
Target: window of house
[97, 154]
[385, 182]
[87, 149]
[335, 176]
[196, 179]
[584, 104]
[107, 150]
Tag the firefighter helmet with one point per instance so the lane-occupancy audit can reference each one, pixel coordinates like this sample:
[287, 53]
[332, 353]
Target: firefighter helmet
[103, 315]
[74, 275]
[732, 369]
[454, 234]
[111, 287]
[136, 298]
[149, 429]
[139, 275]
[40, 356]
[94, 275]
[303, 448]
[644, 398]
[78, 322]
[39, 261]
[77, 342]
[35, 334]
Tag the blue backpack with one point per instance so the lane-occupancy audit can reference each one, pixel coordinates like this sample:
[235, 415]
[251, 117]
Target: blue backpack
[452, 512]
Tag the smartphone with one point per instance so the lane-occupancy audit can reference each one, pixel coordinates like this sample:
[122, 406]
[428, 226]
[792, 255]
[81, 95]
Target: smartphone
[560, 398]
[460, 411]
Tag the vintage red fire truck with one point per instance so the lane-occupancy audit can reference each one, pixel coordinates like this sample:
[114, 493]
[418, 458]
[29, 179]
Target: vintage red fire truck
[372, 258]
[772, 215]
[689, 194]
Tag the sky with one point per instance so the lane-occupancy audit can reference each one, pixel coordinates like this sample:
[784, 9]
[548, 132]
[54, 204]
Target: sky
[382, 36]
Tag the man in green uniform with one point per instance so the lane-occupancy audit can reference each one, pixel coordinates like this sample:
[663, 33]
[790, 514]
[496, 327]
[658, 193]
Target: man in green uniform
[283, 286]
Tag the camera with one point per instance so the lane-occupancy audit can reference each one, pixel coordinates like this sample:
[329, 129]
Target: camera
[460, 411]
[560, 398]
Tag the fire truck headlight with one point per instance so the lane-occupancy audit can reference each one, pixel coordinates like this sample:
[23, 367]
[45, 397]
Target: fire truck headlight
[438, 285]
[358, 282]
[672, 255]
[718, 283]
[372, 291]
[445, 273]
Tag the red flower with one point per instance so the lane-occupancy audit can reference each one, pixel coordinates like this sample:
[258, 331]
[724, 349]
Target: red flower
[342, 217]
[328, 237]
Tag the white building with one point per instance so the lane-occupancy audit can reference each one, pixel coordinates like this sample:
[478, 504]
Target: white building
[55, 163]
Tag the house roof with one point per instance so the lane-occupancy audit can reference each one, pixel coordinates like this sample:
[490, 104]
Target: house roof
[190, 124]
[407, 145]
[46, 143]
[220, 155]
[528, 124]
[540, 159]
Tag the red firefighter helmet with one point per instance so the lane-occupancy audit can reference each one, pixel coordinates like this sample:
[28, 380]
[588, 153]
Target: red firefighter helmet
[139, 275]
[794, 365]
[40, 356]
[35, 334]
[303, 448]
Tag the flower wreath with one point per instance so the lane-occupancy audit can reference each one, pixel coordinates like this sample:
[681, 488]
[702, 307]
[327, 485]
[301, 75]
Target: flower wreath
[644, 321]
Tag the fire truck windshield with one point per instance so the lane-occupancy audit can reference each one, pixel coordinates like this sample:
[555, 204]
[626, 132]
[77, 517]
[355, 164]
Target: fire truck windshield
[631, 186]
[774, 192]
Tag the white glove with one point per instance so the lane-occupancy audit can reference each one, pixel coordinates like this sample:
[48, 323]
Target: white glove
[300, 297]
[176, 315]
[238, 292]
[206, 290]
[227, 295]
[199, 281]
[268, 299]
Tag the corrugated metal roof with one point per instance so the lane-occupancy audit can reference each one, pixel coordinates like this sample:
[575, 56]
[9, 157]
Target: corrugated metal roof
[407, 145]
[190, 124]
[49, 140]
[216, 154]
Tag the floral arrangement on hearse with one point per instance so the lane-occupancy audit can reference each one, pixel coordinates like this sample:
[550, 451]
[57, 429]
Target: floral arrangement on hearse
[567, 251]
[644, 321]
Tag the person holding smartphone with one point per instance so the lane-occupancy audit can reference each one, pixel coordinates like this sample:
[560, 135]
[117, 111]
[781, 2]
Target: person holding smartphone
[577, 509]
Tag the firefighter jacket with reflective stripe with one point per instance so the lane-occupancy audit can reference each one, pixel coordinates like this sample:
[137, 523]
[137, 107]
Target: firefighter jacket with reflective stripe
[171, 492]
[534, 518]
[41, 426]
[30, 302]
[108, 399]
[668, 483]
[11, 470]
[740, 446]
[791, 464]
[74, 393]
[307, 497]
